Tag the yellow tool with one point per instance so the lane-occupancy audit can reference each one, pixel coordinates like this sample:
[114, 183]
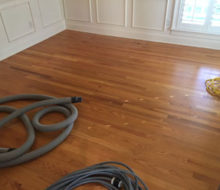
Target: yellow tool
[213, 86]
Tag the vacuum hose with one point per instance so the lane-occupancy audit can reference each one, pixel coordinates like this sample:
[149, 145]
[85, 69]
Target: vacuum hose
[15, 156]
[106, 174]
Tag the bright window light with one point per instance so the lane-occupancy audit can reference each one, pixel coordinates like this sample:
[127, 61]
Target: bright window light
[199, 16]
[215, 21]
[195, 11]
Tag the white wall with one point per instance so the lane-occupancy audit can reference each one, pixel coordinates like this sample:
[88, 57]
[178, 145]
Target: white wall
[26, 22]
[139, 19]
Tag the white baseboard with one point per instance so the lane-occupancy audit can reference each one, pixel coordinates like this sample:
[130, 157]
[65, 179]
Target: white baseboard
[180, 38]
[212, 42]
[35, 38]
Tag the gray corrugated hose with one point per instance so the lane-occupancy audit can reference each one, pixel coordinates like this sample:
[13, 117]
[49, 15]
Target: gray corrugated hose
[15, 156]
[107, 174]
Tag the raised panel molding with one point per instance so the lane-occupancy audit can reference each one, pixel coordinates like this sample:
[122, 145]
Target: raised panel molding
[111, 12]
[24, 24]
[149, 14]
[78, 10]
[3, 35]
[5, 4]
[50, 11]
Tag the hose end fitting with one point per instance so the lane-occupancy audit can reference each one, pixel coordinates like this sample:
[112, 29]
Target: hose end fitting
[116, 182]
[76, 99]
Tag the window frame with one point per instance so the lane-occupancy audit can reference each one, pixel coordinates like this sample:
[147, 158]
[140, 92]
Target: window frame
[186, 27]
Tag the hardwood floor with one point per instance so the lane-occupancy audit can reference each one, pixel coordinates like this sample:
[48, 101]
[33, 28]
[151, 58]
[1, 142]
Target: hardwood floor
[145, 104]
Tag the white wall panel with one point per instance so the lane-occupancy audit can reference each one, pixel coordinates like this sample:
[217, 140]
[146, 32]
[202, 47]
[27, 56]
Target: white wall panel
[79, 10]
[24, 22]
[3, 36]
[149, 14]
[50, 11]
[111, 11]
[22, 25]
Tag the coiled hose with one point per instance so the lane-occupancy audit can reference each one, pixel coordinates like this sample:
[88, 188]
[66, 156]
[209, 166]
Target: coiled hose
[213, 86]
[106, 174]
[15, 156]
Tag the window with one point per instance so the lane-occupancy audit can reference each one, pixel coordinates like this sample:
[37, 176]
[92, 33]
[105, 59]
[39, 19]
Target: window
[199, 16]
[215, 21]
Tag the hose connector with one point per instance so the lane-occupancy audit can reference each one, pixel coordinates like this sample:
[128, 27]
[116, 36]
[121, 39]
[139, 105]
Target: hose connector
[76, 99]
[116, 182]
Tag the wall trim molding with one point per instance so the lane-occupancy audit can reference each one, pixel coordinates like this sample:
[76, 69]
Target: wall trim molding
[32, 22]
[148, 28]
[148, 35]
[90, 20]
[36, 38]
[41, 16]
[125, 15]
[9, 4]
[166, 16]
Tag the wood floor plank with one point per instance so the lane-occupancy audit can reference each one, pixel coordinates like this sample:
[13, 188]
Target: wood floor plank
[145, 104]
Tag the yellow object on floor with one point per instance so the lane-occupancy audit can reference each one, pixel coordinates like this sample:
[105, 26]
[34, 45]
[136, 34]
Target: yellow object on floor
[213, 86]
